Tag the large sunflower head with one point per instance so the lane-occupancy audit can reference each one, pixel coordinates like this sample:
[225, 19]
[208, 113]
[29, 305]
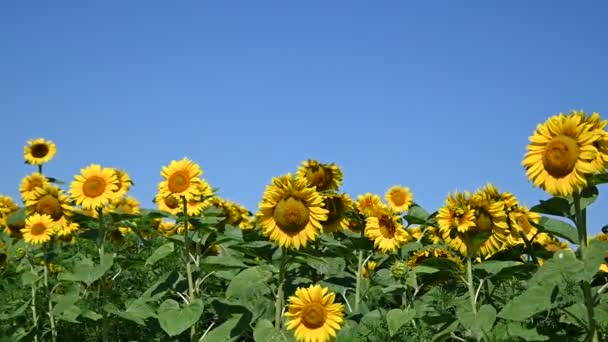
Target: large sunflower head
[368, 204]
[49, 200]
[312, 314]
[94, 187]
[386, 230]
[322, 176]
[561, 154]
[338, 205]
[181, 179]
[38, 229]
[399, 198]
[30, 183]
[39, 151]
[123, 181]
[291, 212]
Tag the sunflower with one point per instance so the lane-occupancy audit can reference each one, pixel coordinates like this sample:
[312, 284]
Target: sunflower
[38, 229]
[522, 222]
[123, 181]
[561, 154]
[94, 187]
[399, 198]
[421, 256]
[30, 183]
[39, 151]
[7, 206]
[312, 314]
[456, 213]
[338, 205]
[181, 179]
[386, 230]
[415, 232]
[291, 212]
[597, 125]
[368, 269]
[49, 200]
[238, 215]
[323, 176]
[125, 205]
[368, 204]
[65, 228]
[550, 243]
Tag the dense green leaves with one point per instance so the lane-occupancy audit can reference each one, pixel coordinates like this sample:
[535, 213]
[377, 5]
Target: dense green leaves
[559, 228]
[86, 271]
[175, 319]
[160, 253]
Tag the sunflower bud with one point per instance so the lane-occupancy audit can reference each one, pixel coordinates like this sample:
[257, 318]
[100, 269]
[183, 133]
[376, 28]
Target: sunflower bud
[399, 270]
[19, 253]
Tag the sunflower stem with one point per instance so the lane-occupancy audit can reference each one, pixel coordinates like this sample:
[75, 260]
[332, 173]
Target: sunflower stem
[34, 314]
[358, 284]
[470, 282]
[50, 313]
[278, 304]
[529, 248]
[40, 168]
[187, 255]
[581, 227]
[100, 288]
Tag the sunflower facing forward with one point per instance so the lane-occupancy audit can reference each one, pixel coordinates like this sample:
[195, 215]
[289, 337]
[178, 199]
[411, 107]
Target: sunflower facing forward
[386, 231]
[38, 229]
[39, 151]
[49, 200]
[313, 316]
[94, 187]
[181, 179]
[291, 212]
[323, 176]
[399, 198]
[561, 153]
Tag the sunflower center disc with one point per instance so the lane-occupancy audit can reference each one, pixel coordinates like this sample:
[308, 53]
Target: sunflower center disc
[387, 228]
[34, 183]
[178, 182]
[38, 229]
[398, 197]
[316, 177]
[561, 154]
[335, 207]
[484, 222]
[171, 202]
[40, 150]
[94, 186]
[49, 205]
[313, 316]
[291, 215]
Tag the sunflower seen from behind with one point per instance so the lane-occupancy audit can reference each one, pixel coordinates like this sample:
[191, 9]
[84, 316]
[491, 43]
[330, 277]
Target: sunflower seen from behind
[180, 179]
[322, 176]
[291, 212]
[94, 187]
[399, 198]
[38, 229]
[313, 315]
[39, 151]
[30, 183]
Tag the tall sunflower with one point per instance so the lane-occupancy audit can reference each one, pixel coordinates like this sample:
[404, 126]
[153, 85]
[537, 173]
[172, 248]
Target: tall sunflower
[30, 183]
[38, 229]
[123, 181]
[386, 230]
[338, 205]
[181, 179]
[368, 204]
[94, 187]
[39, 151]
[561, 153]
[291, 212]
[312, 314]
[399, 198]
[596, 124]
[323, 176]
[49, 200]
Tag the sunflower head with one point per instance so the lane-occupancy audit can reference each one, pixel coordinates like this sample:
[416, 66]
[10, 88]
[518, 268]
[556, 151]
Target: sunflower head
[123, 183]
[337, 205]
[421, 257]
[39, 151]
[596, 124]
[94, 187]
[38, 229]
[312, 314]
[399, 198]
[66, 229]
[291, 212]
[181, 179]
[49, 200]
[386, 231]
[322, 176]
[125, 205]
[368, 204]
[368, 269]
[30, 183]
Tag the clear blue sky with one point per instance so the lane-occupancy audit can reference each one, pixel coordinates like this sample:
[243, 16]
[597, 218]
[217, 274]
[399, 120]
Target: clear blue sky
[434, 95]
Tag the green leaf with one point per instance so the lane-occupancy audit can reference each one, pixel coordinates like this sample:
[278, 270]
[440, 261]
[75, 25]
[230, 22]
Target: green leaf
[418, 212]
[396, 318]
[326, 266]
[486, 316]
[92, 315]
[174, 319]
[598, 179]
[594, 257]
[63, 302]
[532, 301]
[70, 314]
[588, 196]
[221, 262]
[230, 330]
[558, 228]
[492, 267]
[250, 288]
[265, 332]
[29, 277]
[16, 312]
[160, 253]
[554, 206]
[518, 330]
[111, 308]
[88, 272]
[16, 217]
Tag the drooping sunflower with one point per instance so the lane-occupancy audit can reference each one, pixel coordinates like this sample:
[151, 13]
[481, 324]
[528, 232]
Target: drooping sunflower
[561, 153]
[386, 230]
[421, 256]
[399, 198]
[323, 176]
[180, 179]
[38, 229]
[368, 204]
[30, 183]
[49, 200]
[238, 215]
[291, 212]
[94, 187]
[338, 205]
[123, 181]
[125, 205]
[313, 316]
[39, 151]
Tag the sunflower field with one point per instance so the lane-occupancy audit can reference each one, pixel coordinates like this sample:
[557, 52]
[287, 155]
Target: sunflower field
[82, 260]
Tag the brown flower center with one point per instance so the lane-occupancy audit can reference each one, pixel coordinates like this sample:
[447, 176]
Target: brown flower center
[34, 183]
[313, 316]
[49, 205]
[561, 154]
[387, 227]
[398, 197]
[38, 229]
[335, 207]
[94, 186]
[291, 215]
[40, 150]
[171, 202]
[178, 182]
[484, 222]
[317, 176]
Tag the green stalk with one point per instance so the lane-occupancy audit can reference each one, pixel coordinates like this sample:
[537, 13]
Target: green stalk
[34, 315]
[40, 168]
[187, 255]
[51, 318]
[470, 281]
[100, 289]
[581, 227]
[279, 302]
[358, 284]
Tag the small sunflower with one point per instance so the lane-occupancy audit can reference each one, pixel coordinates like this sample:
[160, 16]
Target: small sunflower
[125, 205]
[522, 221]
[38, 229]
[49, 200]
[313, 316]
[368, 269]
[181, 178]
[399, 198]
[561, 153]
[291, 212]
[596, 124]
[421, 256]
[123, 181]
[368, 204]
[7, 206]
[338, 205]
[65, 228]
[30, 183]
[456, 213]
[94, 187]
[238, 215]
[386, 230]
[323, 176]
[39, 151]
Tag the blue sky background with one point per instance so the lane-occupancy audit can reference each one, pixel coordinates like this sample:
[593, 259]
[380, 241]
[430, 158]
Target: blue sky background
[434, 95]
